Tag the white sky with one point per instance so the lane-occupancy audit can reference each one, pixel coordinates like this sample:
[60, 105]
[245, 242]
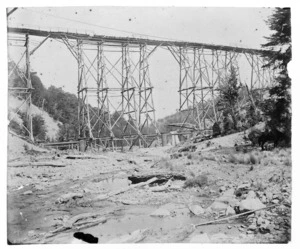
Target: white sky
[165, 29]
[243, 27]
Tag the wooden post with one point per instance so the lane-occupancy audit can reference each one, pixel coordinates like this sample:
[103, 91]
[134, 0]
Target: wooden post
[28, 82]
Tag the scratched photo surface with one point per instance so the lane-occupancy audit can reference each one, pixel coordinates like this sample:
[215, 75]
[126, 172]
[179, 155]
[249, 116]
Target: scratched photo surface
[148, 125]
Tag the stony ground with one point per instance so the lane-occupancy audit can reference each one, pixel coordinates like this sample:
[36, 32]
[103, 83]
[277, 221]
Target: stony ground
[197, 183]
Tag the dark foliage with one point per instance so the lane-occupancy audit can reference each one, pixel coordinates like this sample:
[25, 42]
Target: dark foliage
[277, 107]
[38, 127]
[272, 136]
[229, 94]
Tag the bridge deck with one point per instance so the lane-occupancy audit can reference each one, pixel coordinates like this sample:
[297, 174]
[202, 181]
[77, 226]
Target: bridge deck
[129, 40]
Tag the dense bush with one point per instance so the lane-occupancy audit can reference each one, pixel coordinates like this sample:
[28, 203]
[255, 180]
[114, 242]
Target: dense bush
[38, 127]
[277, 107]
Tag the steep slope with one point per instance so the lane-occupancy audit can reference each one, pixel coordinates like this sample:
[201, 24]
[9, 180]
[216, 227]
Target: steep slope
[50, 124]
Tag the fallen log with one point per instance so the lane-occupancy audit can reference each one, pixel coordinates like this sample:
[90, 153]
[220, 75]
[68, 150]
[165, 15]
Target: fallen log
[161, 188]
[161, 177]
[235, 216]
[113, 193]
[39, 164]
[81, 221]
[85, 157]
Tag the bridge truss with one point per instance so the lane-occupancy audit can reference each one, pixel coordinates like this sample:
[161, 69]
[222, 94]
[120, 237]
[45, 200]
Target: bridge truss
[114, 90]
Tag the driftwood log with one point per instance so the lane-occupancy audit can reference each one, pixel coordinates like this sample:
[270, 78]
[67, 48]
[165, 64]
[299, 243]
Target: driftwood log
[161, 177]
[113, 193]
[161, 188]
[39, 164]
[86, 157]
[84, 220]
[235, 216]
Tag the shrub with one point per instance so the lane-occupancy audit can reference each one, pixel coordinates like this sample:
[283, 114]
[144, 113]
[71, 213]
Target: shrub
[254, 135]
[38, 127]
[198, 181]
[16, 127]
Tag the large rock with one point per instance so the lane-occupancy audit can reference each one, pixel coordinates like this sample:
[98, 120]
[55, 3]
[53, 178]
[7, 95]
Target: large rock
[251, 204]
[196, 209]
[228, 197]
[200, 238]
[230, 200]
[251, 195]
[230, 211]
[218, 206]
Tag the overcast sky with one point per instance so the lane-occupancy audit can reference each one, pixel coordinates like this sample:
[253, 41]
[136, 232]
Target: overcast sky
[242, 27]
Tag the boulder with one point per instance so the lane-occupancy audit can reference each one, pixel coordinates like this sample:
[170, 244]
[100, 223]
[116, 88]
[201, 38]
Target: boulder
[208, 210]
[218, 206]
[196, 209]
[251, 195]
[230, 200]
[200, 238]
[252, 227]
[250, 204]
[230, 211]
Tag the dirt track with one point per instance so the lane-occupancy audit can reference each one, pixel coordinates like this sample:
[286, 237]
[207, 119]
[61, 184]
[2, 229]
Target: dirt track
[42, 200]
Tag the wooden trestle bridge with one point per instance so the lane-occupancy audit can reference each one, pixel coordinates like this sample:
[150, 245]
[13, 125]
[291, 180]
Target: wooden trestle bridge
[202, 67]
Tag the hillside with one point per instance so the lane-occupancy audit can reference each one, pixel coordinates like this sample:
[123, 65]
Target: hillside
[52, 126]
[18, 148]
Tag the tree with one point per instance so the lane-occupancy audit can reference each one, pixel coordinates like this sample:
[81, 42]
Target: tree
[229, 94]
[277, 107]
[39, 91]
[38, 126]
